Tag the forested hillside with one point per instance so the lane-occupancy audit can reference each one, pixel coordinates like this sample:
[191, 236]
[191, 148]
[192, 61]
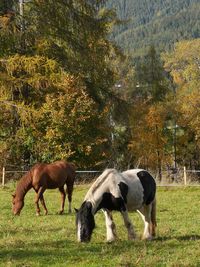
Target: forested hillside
[158, 22]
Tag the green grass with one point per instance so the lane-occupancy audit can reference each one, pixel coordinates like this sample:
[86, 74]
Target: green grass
[50, 240]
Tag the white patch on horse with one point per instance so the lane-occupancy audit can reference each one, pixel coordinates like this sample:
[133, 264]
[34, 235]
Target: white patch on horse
[79, 231]
[110, 226]
[107, 182]
[134, 197]
[145, 213]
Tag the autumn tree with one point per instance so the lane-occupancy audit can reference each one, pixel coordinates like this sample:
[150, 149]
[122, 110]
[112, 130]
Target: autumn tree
[184, 66]
[75, 34]
[55, 80]
[148, 114]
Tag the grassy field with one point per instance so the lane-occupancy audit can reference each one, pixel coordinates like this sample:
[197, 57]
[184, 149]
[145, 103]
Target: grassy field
[50, 240]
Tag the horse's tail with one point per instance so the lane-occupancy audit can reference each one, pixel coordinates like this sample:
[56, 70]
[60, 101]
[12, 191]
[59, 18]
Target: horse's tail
[72, 166]
[71, 173]
[153, 217]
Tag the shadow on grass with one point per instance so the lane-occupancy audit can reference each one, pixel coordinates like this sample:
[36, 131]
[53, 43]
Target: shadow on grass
[60, 251]
[188, 238]
[66, 249]
[16, 231]
[51, 252]
[179, 238]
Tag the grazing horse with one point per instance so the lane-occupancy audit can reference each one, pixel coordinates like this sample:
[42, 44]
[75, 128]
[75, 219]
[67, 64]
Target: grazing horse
[41, 177]
[132, 190]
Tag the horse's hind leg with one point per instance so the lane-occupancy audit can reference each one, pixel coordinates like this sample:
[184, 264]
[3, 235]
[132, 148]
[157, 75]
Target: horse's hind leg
[37, 206]
[153, 218]
[129, 225]
[69, 194]
[39, 193]
[145, 213]
[63, 196]
[110, 226]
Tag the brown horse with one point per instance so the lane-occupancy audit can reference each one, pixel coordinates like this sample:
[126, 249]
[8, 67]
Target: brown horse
[41, 177]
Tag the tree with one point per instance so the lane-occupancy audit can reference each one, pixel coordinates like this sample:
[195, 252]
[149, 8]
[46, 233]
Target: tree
[75, 33]
[183, 64]
[55, 118]
[7, 7]
[148, 116]
[148, 137]
[51, 68]
[152, 83]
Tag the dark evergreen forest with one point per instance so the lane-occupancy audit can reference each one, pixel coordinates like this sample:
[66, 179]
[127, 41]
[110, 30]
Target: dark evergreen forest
[160, 23]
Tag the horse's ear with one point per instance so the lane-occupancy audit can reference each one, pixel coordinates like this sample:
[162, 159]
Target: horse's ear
[89, 205]
[76, 210]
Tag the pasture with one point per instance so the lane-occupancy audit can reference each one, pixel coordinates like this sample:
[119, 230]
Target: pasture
[30, 240]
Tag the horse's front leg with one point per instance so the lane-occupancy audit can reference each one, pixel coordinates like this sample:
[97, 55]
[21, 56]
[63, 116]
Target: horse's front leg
[129, 225]
[145, 213]
[63, 196]
[37, 198]
[43, 204]
[110, 226]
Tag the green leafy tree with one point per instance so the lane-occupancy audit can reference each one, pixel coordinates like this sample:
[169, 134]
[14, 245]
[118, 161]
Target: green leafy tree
[61, 41]
[75, 34]
[56, 118]
[6, 6]
[152, 83]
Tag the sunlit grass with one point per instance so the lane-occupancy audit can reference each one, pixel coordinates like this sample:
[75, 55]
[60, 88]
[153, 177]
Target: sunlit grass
[50, 240]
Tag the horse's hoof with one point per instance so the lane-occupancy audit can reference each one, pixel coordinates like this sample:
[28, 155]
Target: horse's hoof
[147, 238]
[132, 238]
[37, 214]
[109, 241]
[60, 212]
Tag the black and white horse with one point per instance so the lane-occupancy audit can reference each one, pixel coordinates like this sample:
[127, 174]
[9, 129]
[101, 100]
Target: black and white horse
[132, 190]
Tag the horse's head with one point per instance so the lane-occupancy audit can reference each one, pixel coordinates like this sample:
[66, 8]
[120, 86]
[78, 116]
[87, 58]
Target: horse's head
[17, 205]
[85, 222]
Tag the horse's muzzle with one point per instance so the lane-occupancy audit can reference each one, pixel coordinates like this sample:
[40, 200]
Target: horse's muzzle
[16, 213]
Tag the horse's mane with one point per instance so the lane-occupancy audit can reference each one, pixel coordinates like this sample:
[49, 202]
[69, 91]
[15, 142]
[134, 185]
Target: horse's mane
[24, 183]
[99, 181]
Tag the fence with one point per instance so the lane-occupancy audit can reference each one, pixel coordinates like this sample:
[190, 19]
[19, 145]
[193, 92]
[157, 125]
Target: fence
[81, 176]
[183, 176]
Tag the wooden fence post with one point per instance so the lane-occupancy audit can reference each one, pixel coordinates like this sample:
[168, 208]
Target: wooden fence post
[3, 176]
[184, 175]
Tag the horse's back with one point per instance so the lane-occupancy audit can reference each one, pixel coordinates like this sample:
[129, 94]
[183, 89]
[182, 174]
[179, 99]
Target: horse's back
[141, 188]
[53, 175]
